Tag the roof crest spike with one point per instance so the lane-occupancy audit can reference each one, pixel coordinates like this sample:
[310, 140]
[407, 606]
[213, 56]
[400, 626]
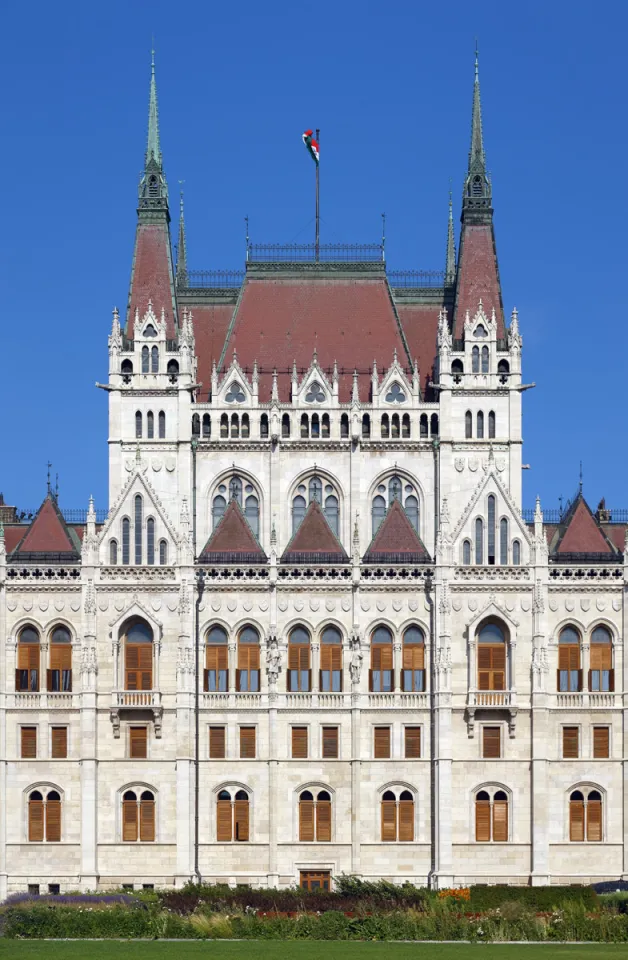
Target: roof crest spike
[450, 259]
[153, 148]
[182, 257]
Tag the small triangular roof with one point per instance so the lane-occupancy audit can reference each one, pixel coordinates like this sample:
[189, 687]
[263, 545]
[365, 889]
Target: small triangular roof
[580, 534]
[314, 540]
[396, 540]
[48, 537]
[233, 541]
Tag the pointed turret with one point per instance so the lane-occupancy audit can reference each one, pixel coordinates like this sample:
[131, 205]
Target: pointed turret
[478, 274]
[152, 275]
[182, 258]
[450, 261]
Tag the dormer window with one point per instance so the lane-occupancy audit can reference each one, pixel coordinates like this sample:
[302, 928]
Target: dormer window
[395, 394]
[235, 393]
[315, 394]
[150, 331]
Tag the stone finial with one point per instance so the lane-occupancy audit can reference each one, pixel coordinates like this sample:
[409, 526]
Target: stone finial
[355, 392]
[274, 396]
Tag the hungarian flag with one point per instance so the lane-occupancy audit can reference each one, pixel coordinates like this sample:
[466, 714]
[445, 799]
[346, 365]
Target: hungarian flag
[311, 144]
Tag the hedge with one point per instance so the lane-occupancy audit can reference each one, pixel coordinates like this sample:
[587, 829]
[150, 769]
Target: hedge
[537, 899]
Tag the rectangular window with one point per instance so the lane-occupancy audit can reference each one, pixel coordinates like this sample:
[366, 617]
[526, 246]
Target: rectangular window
[54, 889]
[330, 743]
[331, 668]
[569, 673]
[491, 743]
[247, 673]
[217, 743]
[413, 671]
[299, 672]
[491, 666]
[138, 674]
[59, 743]
[59, 677]
[570, 743]
[381, 673]
[138, 743]
[413, 743]
[601, 675]
[601, 743]
[381, 743]
[27, 673]
[29, 743]
[217, 668]
[299, 743]
[33, 889]
[247, 743]
[315, 879]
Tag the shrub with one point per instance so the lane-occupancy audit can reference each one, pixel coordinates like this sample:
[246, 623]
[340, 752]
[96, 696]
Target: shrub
[538, 899]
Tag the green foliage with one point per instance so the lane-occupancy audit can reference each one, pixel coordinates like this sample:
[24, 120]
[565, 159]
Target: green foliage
[538, 899]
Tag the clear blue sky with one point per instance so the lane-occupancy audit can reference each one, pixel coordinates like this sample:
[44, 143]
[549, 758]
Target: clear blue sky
[390, 87]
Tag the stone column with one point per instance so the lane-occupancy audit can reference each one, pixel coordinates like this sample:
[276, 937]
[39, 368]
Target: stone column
[88, 741]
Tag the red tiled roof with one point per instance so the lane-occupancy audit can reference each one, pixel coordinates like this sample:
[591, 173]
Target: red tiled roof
[616, 533]
[420, 326]
[233, 541]
[347, 320]
[396, 540]
[478, 277]
[582, 533]
[314, 541]
[211, 323]
[48, 533]
[12, 536]
[152, 277]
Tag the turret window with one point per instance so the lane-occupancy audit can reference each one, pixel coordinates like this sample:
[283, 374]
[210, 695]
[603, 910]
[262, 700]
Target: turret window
[491, 425]
[475, 360]
[138, 529]
[138, 423]
[162, 425]
[150, 425]
[480, 425]
[163, 553]
[154, 359]
[126, 540]
[484, 359]
[145, 359]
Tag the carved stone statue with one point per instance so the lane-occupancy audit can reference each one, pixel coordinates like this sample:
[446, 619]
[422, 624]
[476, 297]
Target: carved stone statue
[273, 659]
[355, 664]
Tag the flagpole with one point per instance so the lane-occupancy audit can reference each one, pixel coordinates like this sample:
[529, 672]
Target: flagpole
[318, 219]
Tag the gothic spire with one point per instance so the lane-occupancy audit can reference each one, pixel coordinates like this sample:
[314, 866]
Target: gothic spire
[153, 149]
[153, 187]
[182, 259]
[477, 192]
[450, 262]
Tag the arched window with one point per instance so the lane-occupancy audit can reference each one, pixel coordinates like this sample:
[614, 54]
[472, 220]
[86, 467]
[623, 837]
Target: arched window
[413, 669]
[173, 369]
[216, 661]
[325, 494]
[145, 359]
[251, 512]
[397, 816]
[378, 512]
[138, 529]
[162, 425]
[331, 660]
[235, 426]
[366, 426]
[150, 541]
[126, 540]
[457, 369]
[491, 816]
[405, 426]
[219, 505]
[381, 672]
[44, 816]
[163, 553]
[569, 677]
[263, 426]
[150, 425]
[60, 674]
[285, 425]
[479, 540]
[138, 423]
[224, 426]
[154, 359]
[207, 426]
[316, 427]
[466, 552]
[126, 368]
[516, 552]
[232, 816]
[503, 541]
[601, 674]
[468, 425]
[491, 507]
[423, 426]
[585, 816]
[325, 426]
[475, 360]
[479, 432]
[331, 512]
[411, 507]
[397, 488]
[196, 425]
[299, 509]
[138, 655]
[503, 369]
[491, 425]
[299, 673]
[315, 816]
[394, 431]
[385, 426]
[344, 426]
[305, 426]
[491, 656]
[246, 426]
[247, 674]
[434, 425]
[138, 816]
[485, 359]
[113, 552]
[27, 673]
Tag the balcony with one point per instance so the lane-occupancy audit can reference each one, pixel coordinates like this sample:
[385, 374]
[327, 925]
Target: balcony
[313, 700]
[43, 700]
[585, 700]
[504, 700]
[128, 699]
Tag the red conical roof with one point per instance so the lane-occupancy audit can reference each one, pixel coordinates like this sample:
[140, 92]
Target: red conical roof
[396, 540]
[48, 535]
[582, 533]
[314, 540]
[233, 540]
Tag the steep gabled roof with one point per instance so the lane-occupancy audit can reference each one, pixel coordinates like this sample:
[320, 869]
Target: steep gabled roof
[232, 541]
[580, 534]
[48, 537]
[396, 540]
[314, 541]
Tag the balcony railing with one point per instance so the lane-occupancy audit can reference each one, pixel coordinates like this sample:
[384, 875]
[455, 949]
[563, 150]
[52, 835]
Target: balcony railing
[136, 698]
[44, 700]
[585, 700]
[315, 700]
[491, 698]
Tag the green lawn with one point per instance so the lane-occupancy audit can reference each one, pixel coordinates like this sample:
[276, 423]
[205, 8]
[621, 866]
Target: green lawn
[274, 950]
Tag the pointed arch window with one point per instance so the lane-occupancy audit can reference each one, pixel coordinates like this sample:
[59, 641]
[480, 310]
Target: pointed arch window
[216, 661]
[491, 425]
[325, 426]
[299, 509]
[405, 426]
[138, 423]
[315, 816]
[434, 425]
[516, 552]
[503, 541]
[163, 553]
[569, 678]
[466, 552]
[224, 426]
[479, 431]
[330, 679]
[378, 512]
[232, 816]
[423, 426]
[305, 426]
[263, 426]
[397, 816]
[344, 426]
[138, 655]
[235, 426]
[468, 425]
[154, 359]
[585, 816]
[485, 359]
[138, 816]
[491, 510]
[397, 488]
[145, 359]
[246, 426]
[331, 512]
[248, 670]
[44, 816]
[219, 505]
[138, 529]
[150, 541]
[126, 540]
[491, 653]
[150, 425]
[491, 816]
[394, 426]
[411, 507]
[381, 672]
[479, 540]
[475, 360]
[196, 425]
[251, 512]
[162, 425]
[59, 678]
[385, 426]
[28, 652]
[601, 674]
[299, 667]
[207, 426]
[285, 425]
[366, 427]
[316, 427]
[113, 552]
[413, 660]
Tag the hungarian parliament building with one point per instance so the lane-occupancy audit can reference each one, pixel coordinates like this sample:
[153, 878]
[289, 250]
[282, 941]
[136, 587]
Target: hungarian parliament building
[315, 633]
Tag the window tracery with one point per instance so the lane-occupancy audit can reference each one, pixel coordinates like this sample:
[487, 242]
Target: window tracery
[395, 488]
[325, 493]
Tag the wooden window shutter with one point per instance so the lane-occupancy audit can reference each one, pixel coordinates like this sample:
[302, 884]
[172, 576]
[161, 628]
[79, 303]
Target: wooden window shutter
[299, 743]
[491, 743]
[323, 820]
[223, 821]
[413, 743]
[601, 656]
[484, 667]
[147, 820]
[330, 743]
[306, 819]
[132, 663]
[28, 656]
[413, 656]
[381, 743]
[570, 743]
[579, 679]
[498, 657]
[569, 656]
[241, 819]
[53, 821]
[60, 656]
[576, 820]
[146, 665]
[594, 820]
[59, 742]
[482, 821]
[611, 680]
[389, 821]
[500, 820]
[216, 743]
[138, 743]
[29, 742]
[406, 820]
[35, 820]
[601, 743]
[129, 820]
[247, 745]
